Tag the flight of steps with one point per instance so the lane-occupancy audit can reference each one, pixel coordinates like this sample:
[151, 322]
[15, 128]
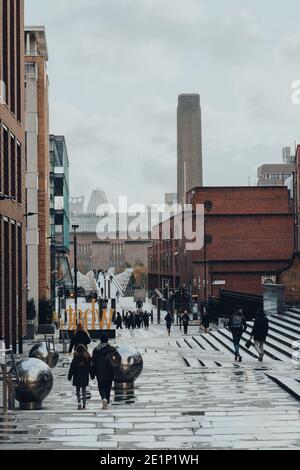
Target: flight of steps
[284, 334]
[209, 350]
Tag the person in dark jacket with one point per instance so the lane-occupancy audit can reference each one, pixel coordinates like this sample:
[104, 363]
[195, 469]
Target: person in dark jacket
[237, 325]
[138, 319]
[205, 320]
[185, 321]
[80, 372]
[102, 368]
[81, 336]
[119, 321]
[169, 321]
[131, 320]
[142, 318]
[146, 320]
[260, 332]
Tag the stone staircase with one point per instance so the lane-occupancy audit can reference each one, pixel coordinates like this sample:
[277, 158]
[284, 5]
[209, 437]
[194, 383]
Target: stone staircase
[282, 342]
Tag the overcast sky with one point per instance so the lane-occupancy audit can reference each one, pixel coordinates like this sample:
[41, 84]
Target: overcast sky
[116, 68]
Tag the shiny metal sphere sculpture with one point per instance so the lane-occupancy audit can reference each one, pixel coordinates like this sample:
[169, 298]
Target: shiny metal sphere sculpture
[35, 383]
[128, 365]
[39, 351]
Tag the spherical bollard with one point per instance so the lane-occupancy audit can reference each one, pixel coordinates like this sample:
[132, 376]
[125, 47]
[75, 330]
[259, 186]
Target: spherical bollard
[40, 351]
[35, 383]
[128, 365]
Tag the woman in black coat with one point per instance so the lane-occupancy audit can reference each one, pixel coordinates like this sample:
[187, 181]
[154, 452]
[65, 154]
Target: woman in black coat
[260, 332]
[80, 372]
[205, 320]
[185, 322]
[119, 322]
[169, 321]
[81, 336]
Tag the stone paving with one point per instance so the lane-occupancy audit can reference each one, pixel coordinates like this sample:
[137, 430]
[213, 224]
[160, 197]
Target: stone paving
[188, 397]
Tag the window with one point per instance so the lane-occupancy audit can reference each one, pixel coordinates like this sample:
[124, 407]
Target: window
[19, 63]
[7, 290]
[13, 167]
[5, 47]
[12, 58]
[5, 162]
[20, 282]
[14, 275]
[30, 69]
[19, 173]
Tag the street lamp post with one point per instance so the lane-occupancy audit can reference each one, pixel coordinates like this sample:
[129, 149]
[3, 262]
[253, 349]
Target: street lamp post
[207, 240]
[75, 228]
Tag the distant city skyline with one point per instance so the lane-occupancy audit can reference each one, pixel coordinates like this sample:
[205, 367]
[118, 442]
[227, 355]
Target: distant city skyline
[117, 69]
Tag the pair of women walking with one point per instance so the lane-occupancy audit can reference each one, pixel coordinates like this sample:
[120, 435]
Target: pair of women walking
[238, 326]
[84, 367]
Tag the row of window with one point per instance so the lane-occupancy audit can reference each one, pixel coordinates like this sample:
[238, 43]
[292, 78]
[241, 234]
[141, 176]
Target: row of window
[163, 263]
[10, 165]
[12, 37]
[278, 176]
[11, 282]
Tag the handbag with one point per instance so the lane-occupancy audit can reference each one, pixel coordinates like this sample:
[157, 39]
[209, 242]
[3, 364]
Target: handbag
[248, 344]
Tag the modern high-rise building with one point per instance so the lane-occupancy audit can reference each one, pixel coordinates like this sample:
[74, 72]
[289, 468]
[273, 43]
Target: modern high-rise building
[12, 175]
[189, 145]
[37, 174]
[59, 216]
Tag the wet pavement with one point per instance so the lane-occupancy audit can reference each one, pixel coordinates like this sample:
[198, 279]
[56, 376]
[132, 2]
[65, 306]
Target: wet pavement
[189, 396]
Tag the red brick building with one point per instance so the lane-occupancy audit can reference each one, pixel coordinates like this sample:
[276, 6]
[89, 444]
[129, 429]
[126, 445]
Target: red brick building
[12, 174]
[290, 276]
[249, 238]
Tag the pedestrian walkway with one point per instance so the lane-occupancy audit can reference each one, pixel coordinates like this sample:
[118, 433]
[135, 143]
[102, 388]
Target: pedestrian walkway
[191, 395]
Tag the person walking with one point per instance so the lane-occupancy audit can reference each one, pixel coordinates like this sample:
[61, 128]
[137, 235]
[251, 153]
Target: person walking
[132, 321]
[102, 369]
[179, 317]
[185, 321]
[146, 320]
[119, 321]
[80, 372]
[81, 336]
[260, 332]
[237, 325]
[142, 318]
[137, 320]
[205, 320]
[169, 321]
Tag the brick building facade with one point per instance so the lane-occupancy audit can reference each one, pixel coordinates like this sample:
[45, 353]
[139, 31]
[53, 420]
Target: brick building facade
[249, 238]
[12, 175]
[290, 276]
[38, 164]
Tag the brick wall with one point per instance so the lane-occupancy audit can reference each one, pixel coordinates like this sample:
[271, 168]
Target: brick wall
[12, 176]
[252, 231]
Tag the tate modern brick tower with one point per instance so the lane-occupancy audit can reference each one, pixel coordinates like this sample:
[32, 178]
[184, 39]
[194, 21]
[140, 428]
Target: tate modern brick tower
[189, 145]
